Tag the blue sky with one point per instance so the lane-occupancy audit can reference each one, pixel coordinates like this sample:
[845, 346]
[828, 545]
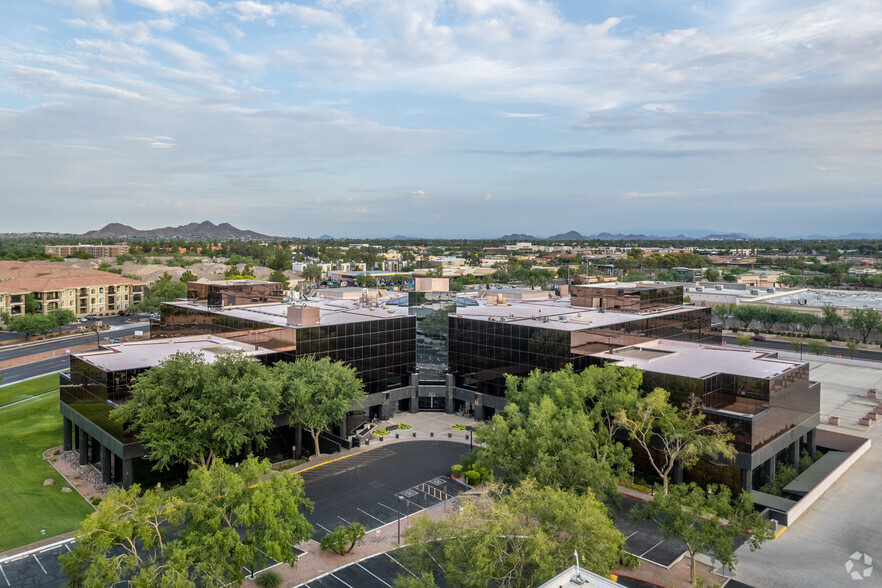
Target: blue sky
[459, 118]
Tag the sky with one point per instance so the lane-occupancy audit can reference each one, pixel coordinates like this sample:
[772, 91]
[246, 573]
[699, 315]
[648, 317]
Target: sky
[433, 118]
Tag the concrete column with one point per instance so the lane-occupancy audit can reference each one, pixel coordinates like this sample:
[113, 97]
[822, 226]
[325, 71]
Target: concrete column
[386, 411]
[66, 435]
[76, 437]
[84, 446]
[127, 474]
[415, 394]
[746, 480]
[343, 432]
[794, 454]
[96, 451]
[448, 404]
[812, 442]
[117, 469]
[770, 469]
[298, 441]
[105, 465]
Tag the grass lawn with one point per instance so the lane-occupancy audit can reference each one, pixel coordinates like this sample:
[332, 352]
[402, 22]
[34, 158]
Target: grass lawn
[27, 507]
[35, 387]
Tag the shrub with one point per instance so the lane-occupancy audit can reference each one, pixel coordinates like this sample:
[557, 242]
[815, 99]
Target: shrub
[805, 461]
[269, 579]
[456, 469]
[57, 452]
[343, 539]
[404, 426]
[380, 432]
[473, 477]
[459, 427]
[96, 500]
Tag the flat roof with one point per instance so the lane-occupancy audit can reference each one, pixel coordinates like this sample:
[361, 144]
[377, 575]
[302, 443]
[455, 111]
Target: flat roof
[838, 298]
[558, 312]
[572, 577]
[695, 360]
[148, 353]
[332, 311]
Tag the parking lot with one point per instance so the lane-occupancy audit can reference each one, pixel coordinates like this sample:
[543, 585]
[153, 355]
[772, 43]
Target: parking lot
[645, 540]
[378, 571]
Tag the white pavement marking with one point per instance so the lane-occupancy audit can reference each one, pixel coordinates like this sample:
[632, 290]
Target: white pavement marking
[323, 527]
[341, 581]
[400, 564]
[389, 507]
[41, 565]
[374, 575]
[372, 516]
[653, 547]
[344, 520]
[4, 576]
[67, 546]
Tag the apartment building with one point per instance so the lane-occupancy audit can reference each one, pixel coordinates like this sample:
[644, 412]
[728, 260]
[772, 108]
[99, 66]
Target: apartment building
[56, 286]
[93, 250]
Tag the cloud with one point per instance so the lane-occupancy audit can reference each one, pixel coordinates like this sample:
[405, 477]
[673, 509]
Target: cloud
[521, 115]
[187, 7]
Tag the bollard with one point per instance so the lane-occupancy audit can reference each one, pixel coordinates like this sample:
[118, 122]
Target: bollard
[431, 433]
[449, 435]
[396, 435]
[414, 434]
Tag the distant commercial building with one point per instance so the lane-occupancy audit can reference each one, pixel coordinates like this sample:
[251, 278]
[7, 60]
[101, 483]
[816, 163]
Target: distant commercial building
[81, 291]
[93, 250]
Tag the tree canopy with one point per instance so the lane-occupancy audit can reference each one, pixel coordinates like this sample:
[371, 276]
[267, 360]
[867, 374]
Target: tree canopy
[517, 537]
[190, 536]
[186, 410]
[317, 392]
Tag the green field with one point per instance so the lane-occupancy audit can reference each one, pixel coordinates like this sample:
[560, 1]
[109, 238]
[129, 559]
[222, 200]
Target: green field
[22, 390]
[27, 507]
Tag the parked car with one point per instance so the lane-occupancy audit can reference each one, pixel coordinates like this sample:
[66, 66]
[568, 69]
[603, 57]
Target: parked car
[82, 319]
[758, 338]
[92, 317]
[154, 316]
[122, 313]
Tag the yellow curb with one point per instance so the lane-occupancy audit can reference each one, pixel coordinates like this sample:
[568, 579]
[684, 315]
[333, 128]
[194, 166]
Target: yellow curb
[783, 528]
[318, 465]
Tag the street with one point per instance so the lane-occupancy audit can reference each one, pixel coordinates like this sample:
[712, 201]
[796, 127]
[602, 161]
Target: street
[867, 354]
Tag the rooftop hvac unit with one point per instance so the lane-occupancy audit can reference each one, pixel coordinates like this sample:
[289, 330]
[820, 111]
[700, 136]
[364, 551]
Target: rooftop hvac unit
[754, 292]
[718, 287]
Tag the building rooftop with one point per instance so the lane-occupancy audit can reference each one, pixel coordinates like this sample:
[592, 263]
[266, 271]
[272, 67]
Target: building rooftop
[144, 354]
[332, 311]
[838, 298]
[47, 276]
[553, 313]
[693, 360]
[574, 578]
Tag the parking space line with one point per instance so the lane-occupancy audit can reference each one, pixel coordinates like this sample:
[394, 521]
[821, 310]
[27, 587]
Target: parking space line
[389, 507]
[341, 581]
[41, 565]
[382, 522]
[400, 564]
[373, 574]
[344, 520]
[323, 527]
[67, 546]
[4, 576]
[631, 535]
[653, 547]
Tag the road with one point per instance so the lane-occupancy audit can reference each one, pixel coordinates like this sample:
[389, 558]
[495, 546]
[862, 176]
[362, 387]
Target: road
[866, 354]
[61, 362]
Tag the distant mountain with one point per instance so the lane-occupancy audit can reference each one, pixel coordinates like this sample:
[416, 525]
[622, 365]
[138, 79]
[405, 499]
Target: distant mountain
[726, 237]
[568, 236]
[855, 236]
[203, 230]
[326, 237]
[517, 237]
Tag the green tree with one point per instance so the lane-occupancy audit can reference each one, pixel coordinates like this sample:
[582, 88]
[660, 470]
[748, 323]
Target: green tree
[365, 281]
[32, 305]
[30, 324]
[664, 276]
[281, 260]
[163, 290]
[342, 540]
[730, 277]
[817, 346]
[406, 580]
[186, 410]
[807, 321]
[317, 393]
[188, 276]
[830, 318]
[706, 521]
[711, 274]
[190, 536]
[518, 537]
[312, 273]
[279, 276]
[865, 321]
[852, 347]
[681, 435]
[746, 313]
[636, 276]
[61, 317]
[743, 340]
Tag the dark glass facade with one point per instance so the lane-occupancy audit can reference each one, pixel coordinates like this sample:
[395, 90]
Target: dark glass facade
[627, 299]
[482, 352]
[382, 351]
[234, 293]
[431, 310]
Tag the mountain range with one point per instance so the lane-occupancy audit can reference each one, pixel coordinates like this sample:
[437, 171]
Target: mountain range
[203, 230]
